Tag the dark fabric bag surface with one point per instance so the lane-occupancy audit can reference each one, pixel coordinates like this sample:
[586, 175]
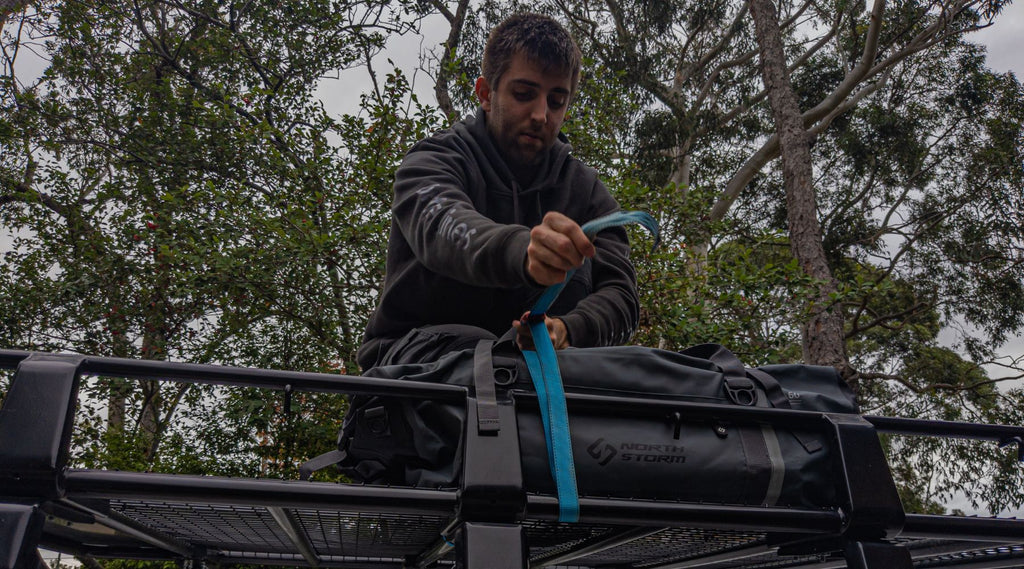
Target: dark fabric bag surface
[638, 454]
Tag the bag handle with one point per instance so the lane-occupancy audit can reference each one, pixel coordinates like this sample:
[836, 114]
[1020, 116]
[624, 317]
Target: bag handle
[740, 389]
[733, 369]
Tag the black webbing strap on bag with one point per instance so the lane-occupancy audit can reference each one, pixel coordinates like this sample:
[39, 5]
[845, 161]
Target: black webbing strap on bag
[306, 469]
[759, 465]
[734, 371]
[779, 400]
[483, 383]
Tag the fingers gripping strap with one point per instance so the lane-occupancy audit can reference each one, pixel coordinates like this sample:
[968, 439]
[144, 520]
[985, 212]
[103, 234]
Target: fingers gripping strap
[590, 229]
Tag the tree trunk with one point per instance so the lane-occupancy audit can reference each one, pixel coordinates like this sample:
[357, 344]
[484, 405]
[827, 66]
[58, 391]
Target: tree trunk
[822, 334]
[444, 73]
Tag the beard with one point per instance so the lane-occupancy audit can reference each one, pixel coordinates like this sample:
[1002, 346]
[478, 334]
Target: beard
[520, 146]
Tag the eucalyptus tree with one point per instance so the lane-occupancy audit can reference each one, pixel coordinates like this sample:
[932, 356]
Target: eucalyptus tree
[822, 332]
[698, 63]
[175, 189]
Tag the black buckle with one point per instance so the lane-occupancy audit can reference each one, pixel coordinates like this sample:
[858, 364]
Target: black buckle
[376, 420]
[741, 391]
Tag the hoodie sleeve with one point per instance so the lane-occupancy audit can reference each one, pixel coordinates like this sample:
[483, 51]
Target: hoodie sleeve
[609, 315]
[441, 224]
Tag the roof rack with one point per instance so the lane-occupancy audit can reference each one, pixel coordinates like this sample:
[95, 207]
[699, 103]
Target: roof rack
[488, 522]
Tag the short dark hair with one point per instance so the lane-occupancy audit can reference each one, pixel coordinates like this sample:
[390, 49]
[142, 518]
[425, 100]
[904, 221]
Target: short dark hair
[540, 38]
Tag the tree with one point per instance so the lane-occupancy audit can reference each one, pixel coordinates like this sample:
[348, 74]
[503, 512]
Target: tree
[697, 63]
[447, 66]
[8, 7]
[823, 339]
[176, 194]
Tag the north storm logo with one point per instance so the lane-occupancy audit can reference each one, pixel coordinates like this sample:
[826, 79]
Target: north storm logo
[604, 454]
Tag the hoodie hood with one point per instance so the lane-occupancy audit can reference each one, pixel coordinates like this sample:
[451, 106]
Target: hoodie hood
[501, 182]
[475, 127]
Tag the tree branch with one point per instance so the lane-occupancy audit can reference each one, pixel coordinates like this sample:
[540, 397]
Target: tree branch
[882, 321]
[450, 46]
[770, 150]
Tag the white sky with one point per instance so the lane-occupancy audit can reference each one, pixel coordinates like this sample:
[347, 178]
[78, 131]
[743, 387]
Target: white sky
[1005, 40]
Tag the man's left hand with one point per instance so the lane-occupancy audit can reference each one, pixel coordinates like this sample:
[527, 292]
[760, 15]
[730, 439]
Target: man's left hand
[556, 330]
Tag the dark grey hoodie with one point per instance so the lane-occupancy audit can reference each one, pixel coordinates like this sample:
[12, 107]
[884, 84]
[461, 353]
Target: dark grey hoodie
[457, 251]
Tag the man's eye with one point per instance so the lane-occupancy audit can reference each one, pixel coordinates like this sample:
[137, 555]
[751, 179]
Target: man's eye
[523, 95]
[556, 102]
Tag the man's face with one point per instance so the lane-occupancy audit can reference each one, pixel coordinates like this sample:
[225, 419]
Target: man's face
[526, 111]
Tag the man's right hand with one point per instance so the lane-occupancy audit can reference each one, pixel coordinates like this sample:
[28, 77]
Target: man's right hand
[557, 246]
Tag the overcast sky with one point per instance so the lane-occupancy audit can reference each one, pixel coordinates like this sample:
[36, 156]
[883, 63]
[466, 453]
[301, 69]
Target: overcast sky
[1005, 40]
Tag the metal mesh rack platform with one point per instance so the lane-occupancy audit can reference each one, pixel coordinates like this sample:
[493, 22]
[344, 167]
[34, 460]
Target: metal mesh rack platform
[488, 522]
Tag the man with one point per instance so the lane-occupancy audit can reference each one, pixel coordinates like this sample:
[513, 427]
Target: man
[488, 213]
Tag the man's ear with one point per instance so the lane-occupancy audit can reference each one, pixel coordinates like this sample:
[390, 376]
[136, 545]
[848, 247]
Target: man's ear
[483, 92]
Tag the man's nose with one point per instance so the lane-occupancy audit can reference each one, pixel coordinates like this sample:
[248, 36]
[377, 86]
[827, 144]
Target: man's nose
[539, 111]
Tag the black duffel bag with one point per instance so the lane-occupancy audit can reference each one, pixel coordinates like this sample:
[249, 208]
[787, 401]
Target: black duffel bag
[633, 454]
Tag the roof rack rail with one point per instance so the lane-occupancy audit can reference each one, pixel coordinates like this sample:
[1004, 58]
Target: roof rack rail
[489, 522]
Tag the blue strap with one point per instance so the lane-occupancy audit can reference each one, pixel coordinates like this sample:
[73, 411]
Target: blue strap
[547, 379]
[620, 218]
[537, 376]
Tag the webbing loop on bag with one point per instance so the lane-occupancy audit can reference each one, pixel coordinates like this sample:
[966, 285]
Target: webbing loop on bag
[487, 419]
[547, 379]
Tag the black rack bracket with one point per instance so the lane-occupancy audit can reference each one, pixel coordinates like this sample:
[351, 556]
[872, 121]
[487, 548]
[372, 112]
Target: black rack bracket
[35, 426]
